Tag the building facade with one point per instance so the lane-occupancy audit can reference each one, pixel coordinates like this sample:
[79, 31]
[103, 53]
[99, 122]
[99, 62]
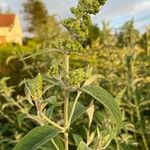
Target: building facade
[10, 29]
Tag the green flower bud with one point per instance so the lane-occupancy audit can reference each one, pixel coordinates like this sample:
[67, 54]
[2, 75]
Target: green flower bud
[54, 71]
[76, 77]
[69, 46]
[91, 6]
[34, 87]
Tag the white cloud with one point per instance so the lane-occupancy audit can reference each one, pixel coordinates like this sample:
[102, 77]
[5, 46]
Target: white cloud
[119, 11]
[3, 5]
[116, 8]
[143, 7]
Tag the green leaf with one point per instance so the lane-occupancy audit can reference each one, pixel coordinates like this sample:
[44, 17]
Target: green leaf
[59, 143]
[37, 137]
[106, 136]
[107, 100]
[83, 146]
[77, 138]
[54, 80]
[49, 112]
[119, 96]
[51, 100]
[79, 110]
[90, 113]
[50, 144]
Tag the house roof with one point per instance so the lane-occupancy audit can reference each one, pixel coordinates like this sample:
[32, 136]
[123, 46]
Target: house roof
[6, 20]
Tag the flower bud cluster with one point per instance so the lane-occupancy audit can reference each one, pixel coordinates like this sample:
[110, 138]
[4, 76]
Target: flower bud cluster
[69, 46]
[76, 77]
[34, 87]
[54, 71]
[79, 26]
[90, 6]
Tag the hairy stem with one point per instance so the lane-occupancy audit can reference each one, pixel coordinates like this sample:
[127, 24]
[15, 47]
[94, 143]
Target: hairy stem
[74, 106]
[67, 63]
[66, 103]
[141, 126]
[52, 123]
[7, 117]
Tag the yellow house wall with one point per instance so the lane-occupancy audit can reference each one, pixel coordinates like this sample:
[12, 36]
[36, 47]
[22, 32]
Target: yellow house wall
[13, 33]
[4, 31]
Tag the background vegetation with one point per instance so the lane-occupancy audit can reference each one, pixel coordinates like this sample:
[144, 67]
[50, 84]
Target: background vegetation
[121, 57]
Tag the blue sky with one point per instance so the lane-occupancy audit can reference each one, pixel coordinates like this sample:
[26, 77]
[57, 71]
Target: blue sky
[115, 11]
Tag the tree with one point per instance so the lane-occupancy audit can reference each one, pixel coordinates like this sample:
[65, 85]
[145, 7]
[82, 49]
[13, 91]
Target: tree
[44, 26]
[36, 14]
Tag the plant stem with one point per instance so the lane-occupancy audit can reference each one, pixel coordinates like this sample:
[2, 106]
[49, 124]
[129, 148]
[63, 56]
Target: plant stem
[35, 119]
[74, 106]
[67, 63]
[141, 126]
[66, 103]
[52, 123]
[117, 144]
[5, 116]
[16, 104]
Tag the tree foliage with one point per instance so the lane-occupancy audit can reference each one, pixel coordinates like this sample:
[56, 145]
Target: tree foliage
[43, 26]
[36, 14]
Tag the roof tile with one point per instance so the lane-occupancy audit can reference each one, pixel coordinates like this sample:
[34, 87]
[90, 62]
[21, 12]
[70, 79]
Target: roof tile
[6, 20]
